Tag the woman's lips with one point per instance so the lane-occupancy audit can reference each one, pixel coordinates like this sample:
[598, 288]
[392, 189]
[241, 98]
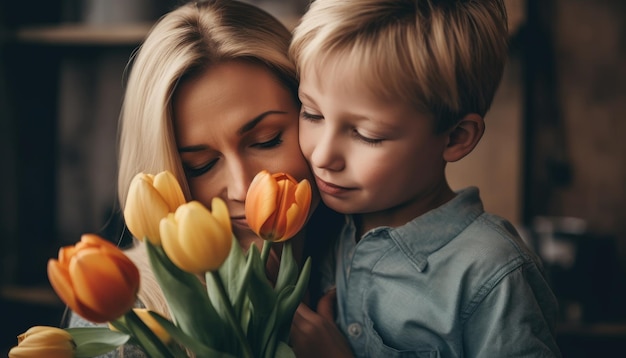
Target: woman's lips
[329, 188]
[239, 221]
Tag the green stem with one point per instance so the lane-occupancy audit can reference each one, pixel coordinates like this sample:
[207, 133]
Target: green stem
[146, 338]
[267, 246]
[230, 315]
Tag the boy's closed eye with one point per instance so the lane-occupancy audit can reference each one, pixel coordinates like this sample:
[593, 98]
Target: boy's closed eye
[309, 116]
[354, 131]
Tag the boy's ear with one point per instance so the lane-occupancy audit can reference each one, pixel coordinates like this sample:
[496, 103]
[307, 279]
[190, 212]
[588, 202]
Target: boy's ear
[463, 137]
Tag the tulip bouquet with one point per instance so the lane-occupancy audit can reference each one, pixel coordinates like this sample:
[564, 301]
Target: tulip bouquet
[221, 303]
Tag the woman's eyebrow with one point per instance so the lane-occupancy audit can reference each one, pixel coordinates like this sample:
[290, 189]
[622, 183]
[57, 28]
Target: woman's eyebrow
[256, 120]
[191, 149]
[241, 131]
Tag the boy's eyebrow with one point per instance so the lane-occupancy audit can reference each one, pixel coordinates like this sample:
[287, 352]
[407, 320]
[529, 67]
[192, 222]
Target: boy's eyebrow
[305, 96]
[248, 126]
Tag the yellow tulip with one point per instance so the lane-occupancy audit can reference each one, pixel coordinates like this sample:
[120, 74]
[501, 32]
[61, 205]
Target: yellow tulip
[148, 320]
[195, 239]
[43, 341]
[151, 198]
[277, 205]
[95, 279]
[154, 326]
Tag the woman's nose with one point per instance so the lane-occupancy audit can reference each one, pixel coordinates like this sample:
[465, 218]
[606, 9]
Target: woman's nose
[238, 181]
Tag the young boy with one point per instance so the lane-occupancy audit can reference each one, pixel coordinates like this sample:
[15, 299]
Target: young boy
[391, 91]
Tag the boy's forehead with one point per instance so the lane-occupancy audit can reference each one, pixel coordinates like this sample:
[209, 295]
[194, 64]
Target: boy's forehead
[338, 77]
[338, 71]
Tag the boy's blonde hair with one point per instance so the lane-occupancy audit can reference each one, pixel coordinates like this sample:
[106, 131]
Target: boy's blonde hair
[183, 44]
[445, 57]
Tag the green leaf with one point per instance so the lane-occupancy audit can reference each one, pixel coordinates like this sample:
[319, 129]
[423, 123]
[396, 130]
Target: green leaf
[262, 301]
[284, 351]
[231, 272]
[234, 273]
[288, 271]
[269, 332]
[260, 290]
[288, 304]
[150, 343]
[96, 341]
[200, 349]
[188, 300]
[215, 281]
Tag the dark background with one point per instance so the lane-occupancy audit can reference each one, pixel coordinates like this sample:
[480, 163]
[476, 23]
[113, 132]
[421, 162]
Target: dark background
[563, 140]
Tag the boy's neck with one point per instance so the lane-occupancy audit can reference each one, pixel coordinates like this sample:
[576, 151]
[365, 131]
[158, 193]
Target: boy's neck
[402, 214]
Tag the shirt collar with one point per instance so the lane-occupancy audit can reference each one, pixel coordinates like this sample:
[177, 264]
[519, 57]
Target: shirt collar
[431, 231]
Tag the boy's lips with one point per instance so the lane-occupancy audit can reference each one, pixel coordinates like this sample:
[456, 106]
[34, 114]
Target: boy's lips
[330, 188]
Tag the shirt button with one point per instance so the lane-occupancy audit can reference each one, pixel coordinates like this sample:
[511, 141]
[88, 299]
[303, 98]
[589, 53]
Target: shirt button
[354, 330]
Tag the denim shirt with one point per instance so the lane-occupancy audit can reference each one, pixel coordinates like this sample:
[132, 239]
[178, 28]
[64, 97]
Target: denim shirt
[454, 282]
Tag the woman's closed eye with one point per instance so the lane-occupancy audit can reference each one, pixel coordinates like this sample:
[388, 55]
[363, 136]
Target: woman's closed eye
[196, 171]
[272, 143]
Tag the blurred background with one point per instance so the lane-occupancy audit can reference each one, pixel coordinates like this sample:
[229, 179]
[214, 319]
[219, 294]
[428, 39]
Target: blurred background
[552, 161]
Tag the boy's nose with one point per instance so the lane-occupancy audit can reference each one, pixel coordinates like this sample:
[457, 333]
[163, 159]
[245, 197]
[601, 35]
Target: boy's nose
[327, 154]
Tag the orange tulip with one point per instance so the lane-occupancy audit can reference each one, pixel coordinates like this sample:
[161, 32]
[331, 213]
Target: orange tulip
[43, 341]
[277, 205]
[151, 198]
[95, 279]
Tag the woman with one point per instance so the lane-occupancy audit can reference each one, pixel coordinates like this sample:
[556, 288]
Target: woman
[212, 97]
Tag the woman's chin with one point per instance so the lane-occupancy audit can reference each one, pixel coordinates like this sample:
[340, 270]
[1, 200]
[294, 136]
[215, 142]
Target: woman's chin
[247, 237]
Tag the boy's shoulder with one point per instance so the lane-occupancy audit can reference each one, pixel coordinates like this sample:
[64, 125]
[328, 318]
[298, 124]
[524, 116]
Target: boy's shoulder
[495, 236]
[488, 250]
[462, 231]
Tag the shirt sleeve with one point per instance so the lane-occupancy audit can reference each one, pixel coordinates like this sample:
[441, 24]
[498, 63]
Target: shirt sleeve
[514, 319]
[327, 270]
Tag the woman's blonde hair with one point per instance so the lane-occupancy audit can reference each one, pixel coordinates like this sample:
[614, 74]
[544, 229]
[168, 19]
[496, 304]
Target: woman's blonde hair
[182, 44]
[445, 57]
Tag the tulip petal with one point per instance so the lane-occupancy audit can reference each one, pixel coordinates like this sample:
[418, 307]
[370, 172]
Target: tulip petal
[66, 351]
[93, 240]
[49, 329]
[260, 200]
[65, 254]
[169, 240]
[44, 341]
[205, 242]
[221, 215]
[284, 200]
[59, 278]
[303, 194]
[168, 187]
[100, 285]
[128, 269]
[107, 248]
[151, 322]
[299, 211]
[144, 210]
[295, 220]
[43, 335]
